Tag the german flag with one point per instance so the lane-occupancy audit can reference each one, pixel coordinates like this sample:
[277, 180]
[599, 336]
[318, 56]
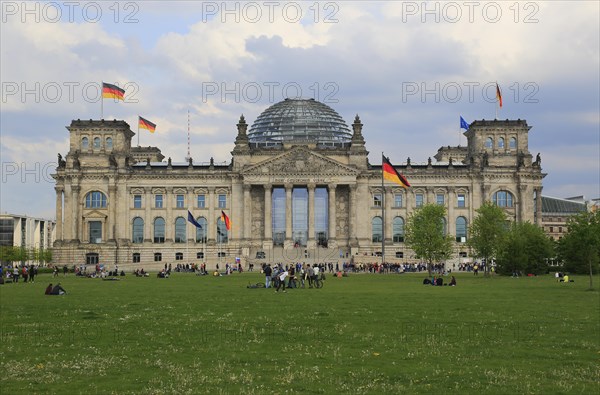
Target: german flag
[390, 173]
[110, 91]
[145, 124]
[498, 95]
[226, 220]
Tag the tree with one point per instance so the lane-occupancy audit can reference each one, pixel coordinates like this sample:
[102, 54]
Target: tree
[486, 232]
[425, 234]
[525, 248]
[579, 249]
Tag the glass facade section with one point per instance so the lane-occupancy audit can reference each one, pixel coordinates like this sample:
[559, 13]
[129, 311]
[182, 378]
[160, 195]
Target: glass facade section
[222, 234]
[278, 215]
[376, 229]
[398, 230]
[95, 200]
[201, 232]
[321, 216]
[159, 230]
[95, 232]
[461, 229]
[300, 216]
[180, 233]
[138, 230]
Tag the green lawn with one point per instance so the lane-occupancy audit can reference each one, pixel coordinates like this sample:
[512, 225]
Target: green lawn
[362, 334]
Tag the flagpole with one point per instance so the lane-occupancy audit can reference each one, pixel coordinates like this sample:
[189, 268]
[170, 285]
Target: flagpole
[101, 102]
[382, 215]
[138, 130]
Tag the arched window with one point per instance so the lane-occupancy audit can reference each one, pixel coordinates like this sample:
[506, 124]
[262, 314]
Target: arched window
[222, 235]
[512, 143]
[489, 143]
[95, 199]
[109, 143]
[85, 143]
[137, 230]
[201, 232]
[461, 229]
[503, 199]
[96, 142]
[376, 229]
[501, 142]
[180, 230]
[159, 230]
[398, 229]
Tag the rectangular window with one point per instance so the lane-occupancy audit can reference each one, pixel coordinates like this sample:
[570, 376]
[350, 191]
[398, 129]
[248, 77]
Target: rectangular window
[222, 201]
[439, 198]
[157, 257]
[551, 229]
[136, 258]
[461, 200]
[377, 200]
[201, 201]
[95, 232]
[137, 201]
[398, 200]
[180, 201]
[560, 229]
[419, 199]
[199, 255]
[179, 256]
[158, 201]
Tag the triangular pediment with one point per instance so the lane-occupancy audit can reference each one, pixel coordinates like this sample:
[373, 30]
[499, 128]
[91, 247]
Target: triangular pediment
[95, 214]
[300, 161]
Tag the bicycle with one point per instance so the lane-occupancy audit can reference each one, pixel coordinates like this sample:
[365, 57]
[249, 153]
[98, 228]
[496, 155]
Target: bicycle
[318, 280]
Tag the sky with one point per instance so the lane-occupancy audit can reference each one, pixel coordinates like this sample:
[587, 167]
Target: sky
[409, 69]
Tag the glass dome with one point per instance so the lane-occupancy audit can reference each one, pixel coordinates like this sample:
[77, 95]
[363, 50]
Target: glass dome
[299, 120]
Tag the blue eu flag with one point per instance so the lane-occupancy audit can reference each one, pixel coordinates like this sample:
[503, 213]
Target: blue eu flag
[463, 124]
[193, 221]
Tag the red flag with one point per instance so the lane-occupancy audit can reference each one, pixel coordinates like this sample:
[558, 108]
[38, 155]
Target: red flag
[390, 173]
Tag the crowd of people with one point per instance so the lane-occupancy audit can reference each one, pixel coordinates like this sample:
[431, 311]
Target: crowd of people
[298, 275]
[13, 274]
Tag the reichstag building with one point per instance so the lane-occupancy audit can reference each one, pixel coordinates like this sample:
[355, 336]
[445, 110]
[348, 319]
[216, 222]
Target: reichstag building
[299, 187]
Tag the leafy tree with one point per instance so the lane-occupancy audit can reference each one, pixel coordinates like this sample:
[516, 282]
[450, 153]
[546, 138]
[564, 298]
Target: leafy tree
[525, 248]
[486, 232]
[425, 234]
[579, 249]
[13, 254]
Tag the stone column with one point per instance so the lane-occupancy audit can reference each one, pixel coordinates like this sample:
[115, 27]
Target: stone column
[211, 220]
[288, 212]
[352, 213]
[389, 237]
[112, 212]
[268, 214]
[75, 213]
[59, 213]
[538, 206]
[67, 214]
[169, 223]
[332, 213]
[311, 216]
[247, 235]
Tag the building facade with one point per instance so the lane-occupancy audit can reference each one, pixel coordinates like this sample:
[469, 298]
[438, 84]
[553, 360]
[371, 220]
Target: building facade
[299, 187]
[556, 213]
[26, 232]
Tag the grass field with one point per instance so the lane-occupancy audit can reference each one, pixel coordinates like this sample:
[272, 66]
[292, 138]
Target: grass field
[362, 334]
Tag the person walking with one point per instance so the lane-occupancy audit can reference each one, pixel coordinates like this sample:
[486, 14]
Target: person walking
[282, 277]
[268, 272]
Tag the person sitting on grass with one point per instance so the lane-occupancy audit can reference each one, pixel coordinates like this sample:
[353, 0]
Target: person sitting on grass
[453, 282]
[48, 289]
[57, 290]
